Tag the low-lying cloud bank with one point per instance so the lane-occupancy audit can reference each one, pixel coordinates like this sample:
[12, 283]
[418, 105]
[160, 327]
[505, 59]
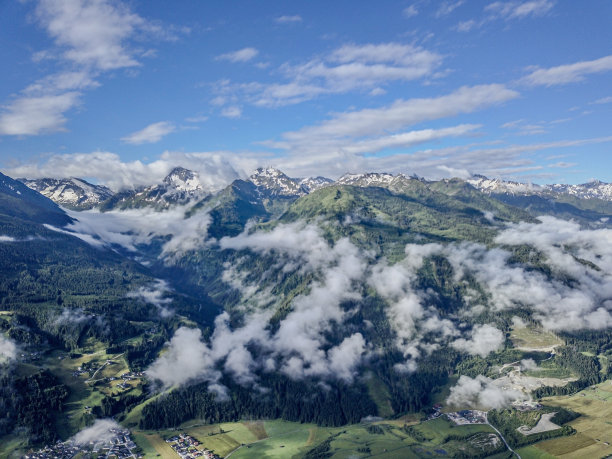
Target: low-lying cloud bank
[481, 392]
[575, 294]
[99, 432]
[299, 347]
[133, 227]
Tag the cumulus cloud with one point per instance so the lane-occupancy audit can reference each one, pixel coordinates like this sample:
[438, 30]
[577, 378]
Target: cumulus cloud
[569, 73]
[151, 134]
[241, 55]
[101, 431]
[8, 349]
[481, 392]
[186, 359]
[484, 340]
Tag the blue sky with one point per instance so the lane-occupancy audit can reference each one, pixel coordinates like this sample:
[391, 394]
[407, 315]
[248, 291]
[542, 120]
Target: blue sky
[121, 91]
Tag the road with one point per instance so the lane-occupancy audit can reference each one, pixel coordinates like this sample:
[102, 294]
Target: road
[502, 437]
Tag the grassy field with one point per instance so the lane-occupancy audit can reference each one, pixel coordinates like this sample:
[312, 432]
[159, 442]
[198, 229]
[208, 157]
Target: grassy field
[380, 395]
[12, 446]
[594, 426]
[529, 338]
[282, 439]
[82, 393]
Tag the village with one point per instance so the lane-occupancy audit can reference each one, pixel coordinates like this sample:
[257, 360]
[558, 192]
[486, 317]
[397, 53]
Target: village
[187, 447]
[120, 446]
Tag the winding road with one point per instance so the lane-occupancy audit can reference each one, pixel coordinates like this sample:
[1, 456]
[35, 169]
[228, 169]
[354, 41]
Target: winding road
[502, 437]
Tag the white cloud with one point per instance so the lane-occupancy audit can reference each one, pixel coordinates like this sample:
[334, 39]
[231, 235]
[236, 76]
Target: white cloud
[344, 137]
[519, 9]
[186, 359]
[484, 340]
[72, 316]
[603, 100]
[155, 294]
[131, 227]
[347, 68]
[151, 134]
[92, 34]
[507, 11]
[288, 19]
[216, 169]
[481, 392]
[7, 238]
[232, 112]
[8, 349]
[99, 431]
[37, 114]
[466, 26]
[569, 73]
[241, 55]
[404, 113]
[448, 7]
[410, 11]
[93, 38]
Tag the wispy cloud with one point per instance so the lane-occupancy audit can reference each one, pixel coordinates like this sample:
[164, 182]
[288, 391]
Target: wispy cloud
[93, 38]
[603, 100]
[448, 7]
[232, 112]
[507, 11]
[151, 134]
[519, 9]
[347, 68]
[402, 113]
[241, 55]
[569, 73]
[33, 115]
[410, 11]
[288, 19]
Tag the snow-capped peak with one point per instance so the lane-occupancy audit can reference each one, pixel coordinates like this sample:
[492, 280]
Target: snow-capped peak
[314, 183]
[595, 189]
[488, 185]
[276, 183]
[70, 192]
[181, 179]
[368, 179]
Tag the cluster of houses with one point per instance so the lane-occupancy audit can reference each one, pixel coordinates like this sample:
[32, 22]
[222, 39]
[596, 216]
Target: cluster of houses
[120, 446]
[465, 417]
[188, 447]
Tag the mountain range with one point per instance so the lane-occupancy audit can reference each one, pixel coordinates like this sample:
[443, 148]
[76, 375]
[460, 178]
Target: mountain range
[182, 185]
